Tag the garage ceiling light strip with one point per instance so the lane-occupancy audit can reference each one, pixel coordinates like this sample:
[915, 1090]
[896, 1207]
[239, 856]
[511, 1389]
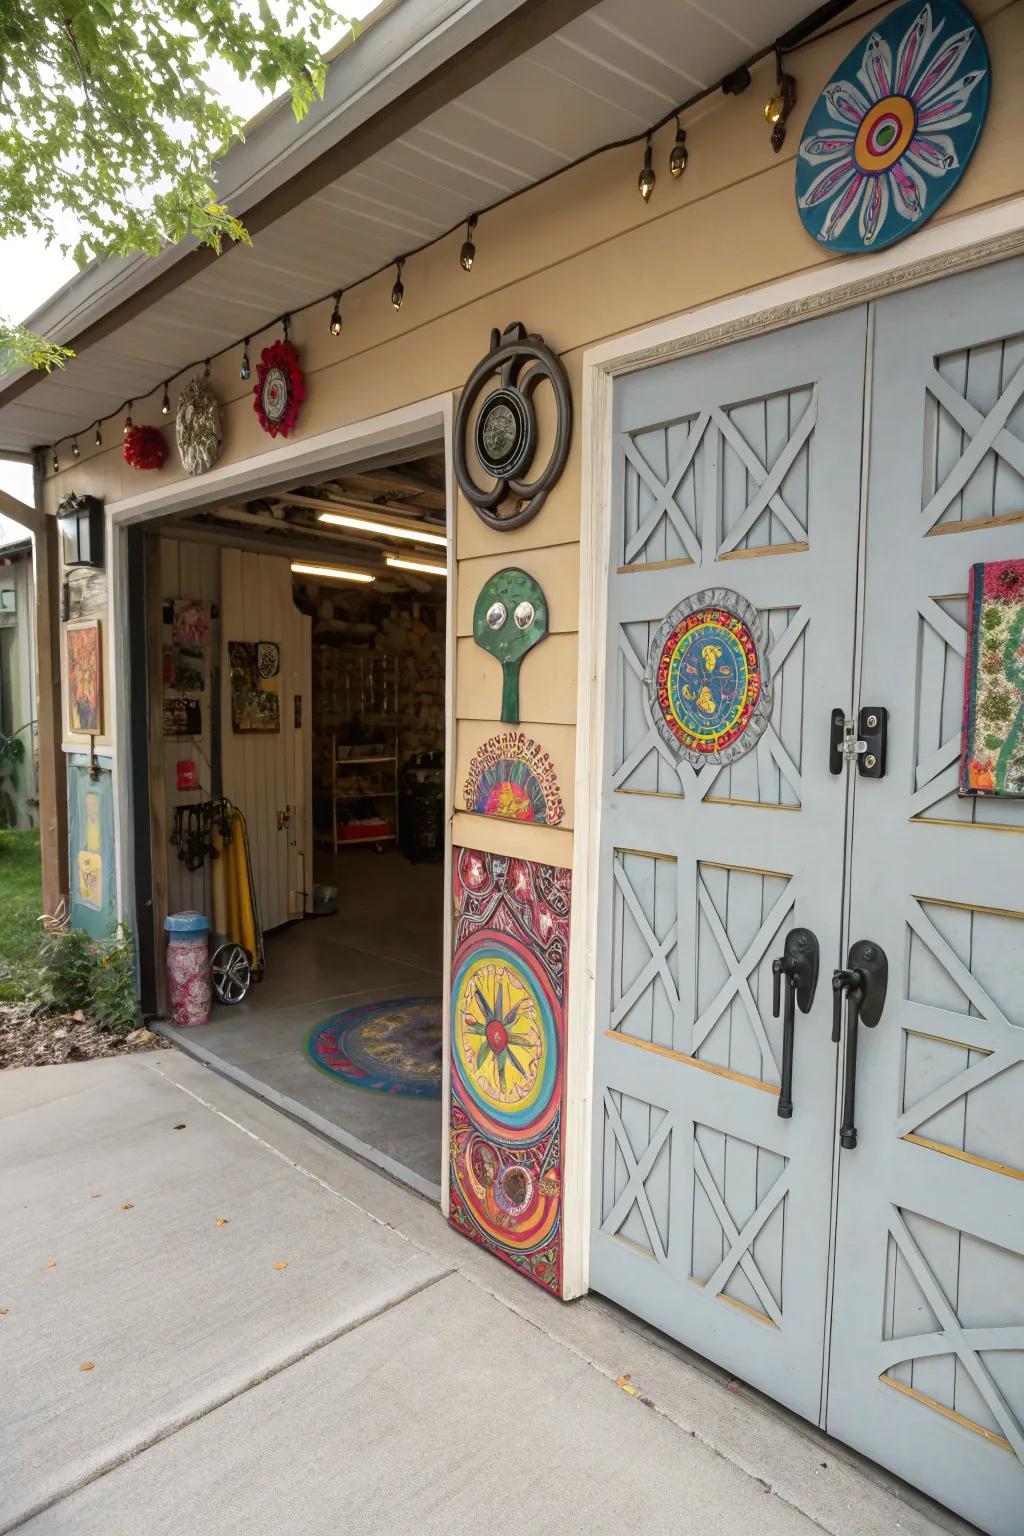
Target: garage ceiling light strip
[330, 572]
[426, 566]
[389, 530]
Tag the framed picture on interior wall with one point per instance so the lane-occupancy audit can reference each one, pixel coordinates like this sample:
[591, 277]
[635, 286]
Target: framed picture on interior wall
[85, 677]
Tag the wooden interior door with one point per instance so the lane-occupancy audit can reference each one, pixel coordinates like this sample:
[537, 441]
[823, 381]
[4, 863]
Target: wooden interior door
[735, 469]
[267, 773]
[927, 1353]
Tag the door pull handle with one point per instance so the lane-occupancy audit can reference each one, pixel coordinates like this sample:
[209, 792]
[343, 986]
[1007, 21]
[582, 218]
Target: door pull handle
[798, 963]
[863, 983]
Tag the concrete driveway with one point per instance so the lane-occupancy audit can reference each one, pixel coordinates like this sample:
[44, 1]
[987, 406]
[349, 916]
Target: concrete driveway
[279, 1339]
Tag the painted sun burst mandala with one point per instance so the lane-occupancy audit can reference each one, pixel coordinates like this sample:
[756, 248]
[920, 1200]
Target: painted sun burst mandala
[882, 151]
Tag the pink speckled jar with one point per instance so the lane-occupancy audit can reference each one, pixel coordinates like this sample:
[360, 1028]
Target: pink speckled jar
[189, 992]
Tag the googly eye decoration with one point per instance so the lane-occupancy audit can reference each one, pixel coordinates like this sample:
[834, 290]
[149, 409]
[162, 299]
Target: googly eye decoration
[500, 426]
[894, 129]
[516, 593]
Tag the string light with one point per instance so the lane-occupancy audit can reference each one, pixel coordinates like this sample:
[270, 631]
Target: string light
[467, 255]
[776, 110]
[678, 158]
[76, 452]
[647, 178]
[56, 461]
[778, 107]
[165, 404]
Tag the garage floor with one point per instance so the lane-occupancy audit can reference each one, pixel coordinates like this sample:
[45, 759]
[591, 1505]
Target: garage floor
[384, 942]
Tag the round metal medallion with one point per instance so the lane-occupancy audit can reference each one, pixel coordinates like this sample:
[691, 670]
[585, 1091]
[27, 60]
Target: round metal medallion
[504, 433]
[524, 615]
[497, 613]
[707, 682]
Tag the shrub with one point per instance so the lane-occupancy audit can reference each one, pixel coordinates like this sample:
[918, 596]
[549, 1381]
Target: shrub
[94, 976]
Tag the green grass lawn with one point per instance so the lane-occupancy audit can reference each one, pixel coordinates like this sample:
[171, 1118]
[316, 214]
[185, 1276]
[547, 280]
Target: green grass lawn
[20, 905]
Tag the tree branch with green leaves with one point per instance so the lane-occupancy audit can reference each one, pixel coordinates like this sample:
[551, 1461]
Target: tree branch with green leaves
[109, 124]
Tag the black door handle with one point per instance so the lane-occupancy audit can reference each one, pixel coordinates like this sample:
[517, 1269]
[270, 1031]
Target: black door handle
[863, 984]
[799, 964]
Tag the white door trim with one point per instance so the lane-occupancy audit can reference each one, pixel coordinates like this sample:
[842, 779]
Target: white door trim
[975, 239]
[411, 426]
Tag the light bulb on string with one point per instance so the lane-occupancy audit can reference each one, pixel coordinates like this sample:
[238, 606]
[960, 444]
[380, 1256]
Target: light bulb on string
[165, 404]
[245, 372]
[99, 436]
[779, 105]
[56, 461]
[336, 320]
[467, 255]
[679, 156]
[647, 178]
[286, 321]
[398, 291]
[76, 452]
[128, 423]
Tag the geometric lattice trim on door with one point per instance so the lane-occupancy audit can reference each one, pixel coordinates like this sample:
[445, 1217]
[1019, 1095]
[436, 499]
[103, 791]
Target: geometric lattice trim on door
[974, 448]
[740, 1275]
[645, 932]
[955, 1090]
[966, 1373]
[632, 1210]
[744, 894]
[729, 481]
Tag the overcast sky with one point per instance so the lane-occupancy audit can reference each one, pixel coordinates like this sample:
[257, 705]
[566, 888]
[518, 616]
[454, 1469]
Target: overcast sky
[30, 272]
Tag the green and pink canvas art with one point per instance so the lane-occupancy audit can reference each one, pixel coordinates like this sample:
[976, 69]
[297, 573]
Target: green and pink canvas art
[992, 755]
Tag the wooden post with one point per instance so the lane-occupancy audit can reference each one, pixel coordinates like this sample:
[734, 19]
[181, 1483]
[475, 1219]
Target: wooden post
[53, 782]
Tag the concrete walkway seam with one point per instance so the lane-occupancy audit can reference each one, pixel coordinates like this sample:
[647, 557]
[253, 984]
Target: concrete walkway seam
[195, 1416]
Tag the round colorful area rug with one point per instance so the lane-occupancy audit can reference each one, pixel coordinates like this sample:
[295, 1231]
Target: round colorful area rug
[392, 1047]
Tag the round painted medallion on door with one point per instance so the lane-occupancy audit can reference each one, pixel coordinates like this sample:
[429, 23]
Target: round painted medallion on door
[504, 1042]
[707, 679]
[892, 132]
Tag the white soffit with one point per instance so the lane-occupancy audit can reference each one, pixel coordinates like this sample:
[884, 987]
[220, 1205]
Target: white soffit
[606, 75]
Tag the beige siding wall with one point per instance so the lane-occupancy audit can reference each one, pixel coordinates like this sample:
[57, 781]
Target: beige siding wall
[579, 259]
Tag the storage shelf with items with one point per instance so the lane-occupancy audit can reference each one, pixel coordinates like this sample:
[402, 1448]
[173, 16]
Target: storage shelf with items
[363, 793]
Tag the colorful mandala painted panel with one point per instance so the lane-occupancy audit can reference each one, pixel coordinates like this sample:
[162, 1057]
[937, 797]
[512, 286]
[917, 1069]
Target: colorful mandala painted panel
[892, 132]
[511, 944]
[708, 688]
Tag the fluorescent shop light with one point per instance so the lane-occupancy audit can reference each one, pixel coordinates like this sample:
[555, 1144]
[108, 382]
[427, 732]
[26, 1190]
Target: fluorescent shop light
[416, 565]
[330, 572]
[389, 530]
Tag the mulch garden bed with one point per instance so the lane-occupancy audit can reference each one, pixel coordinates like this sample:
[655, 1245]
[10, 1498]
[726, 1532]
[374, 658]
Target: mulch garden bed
[31, 1036]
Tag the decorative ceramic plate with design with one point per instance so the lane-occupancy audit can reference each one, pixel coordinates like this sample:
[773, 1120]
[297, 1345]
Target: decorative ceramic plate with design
[892, 132]
[707, 679]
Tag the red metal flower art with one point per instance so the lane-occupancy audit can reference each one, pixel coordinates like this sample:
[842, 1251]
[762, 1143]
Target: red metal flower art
[279, 389]
[144, 448]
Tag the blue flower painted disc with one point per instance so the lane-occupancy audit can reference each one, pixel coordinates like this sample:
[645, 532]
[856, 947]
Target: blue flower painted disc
[892, 132]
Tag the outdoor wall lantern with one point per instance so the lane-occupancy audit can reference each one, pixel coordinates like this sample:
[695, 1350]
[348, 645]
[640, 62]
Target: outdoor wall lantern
[80, 519]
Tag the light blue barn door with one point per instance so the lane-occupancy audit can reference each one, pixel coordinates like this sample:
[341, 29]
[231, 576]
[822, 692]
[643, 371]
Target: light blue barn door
[736, 469]
[927, 1340]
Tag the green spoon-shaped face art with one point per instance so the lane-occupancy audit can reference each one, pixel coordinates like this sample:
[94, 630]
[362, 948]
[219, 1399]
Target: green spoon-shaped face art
[510, 618]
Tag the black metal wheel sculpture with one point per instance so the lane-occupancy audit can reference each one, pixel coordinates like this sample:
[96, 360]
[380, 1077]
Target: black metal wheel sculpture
[505, 431]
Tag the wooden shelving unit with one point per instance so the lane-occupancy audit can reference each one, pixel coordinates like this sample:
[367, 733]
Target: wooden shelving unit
[360, 773]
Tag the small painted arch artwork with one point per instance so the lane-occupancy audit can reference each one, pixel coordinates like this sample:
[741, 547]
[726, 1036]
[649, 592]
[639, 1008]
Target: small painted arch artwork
[513, 777]
[894, 129]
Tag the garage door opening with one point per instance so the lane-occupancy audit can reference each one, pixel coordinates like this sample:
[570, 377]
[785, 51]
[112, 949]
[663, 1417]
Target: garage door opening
[297, 661]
